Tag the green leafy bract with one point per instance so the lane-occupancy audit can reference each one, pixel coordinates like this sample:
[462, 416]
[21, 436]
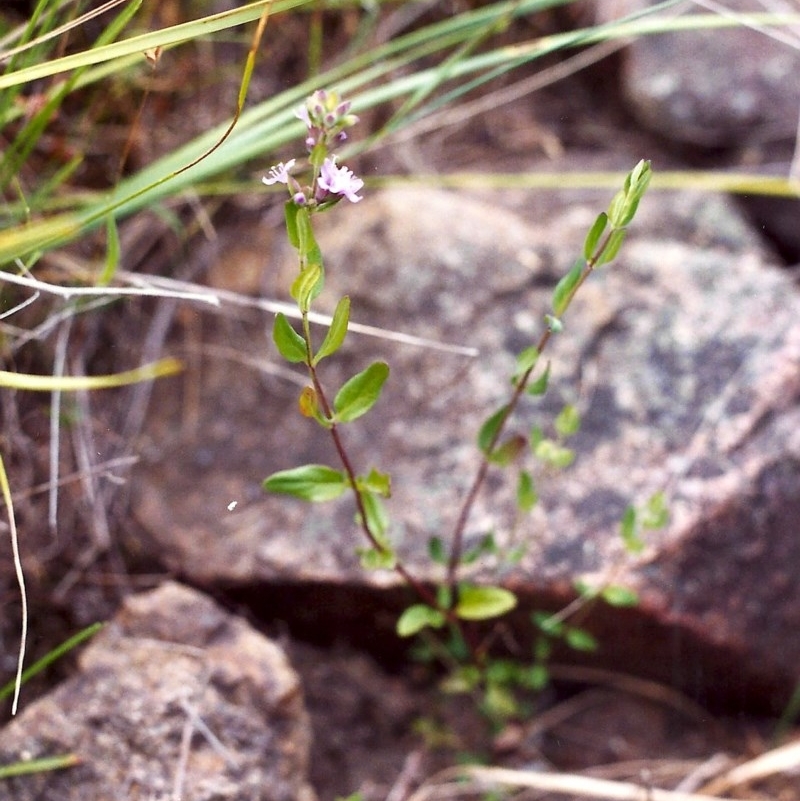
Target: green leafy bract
[377, 519]
[553, 454]
[489, 429]
[308, 285]
[539, 386]
[310, 482]
[612, 247]
[580, 640]
[655, 514]
[377, 559]
[526, 361]
[436, 550]
[418, 617]
[527, 497]
[337, 332]
[289, 343]
[568, 421]
[565, 288]
[593, 237]
[483, 603]
[508, 451]
[614, 595]
[375, 481]
[360, 393]
[629, 530]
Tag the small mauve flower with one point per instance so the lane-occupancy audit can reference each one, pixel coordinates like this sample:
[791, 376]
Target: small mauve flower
[279, 173]
[339, 180]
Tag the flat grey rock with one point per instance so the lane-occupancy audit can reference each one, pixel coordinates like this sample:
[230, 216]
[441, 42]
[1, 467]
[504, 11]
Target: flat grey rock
[731, 86]
[174, 698]
[683, 359]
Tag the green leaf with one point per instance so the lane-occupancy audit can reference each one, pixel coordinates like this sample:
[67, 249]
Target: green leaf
[375, 481]
[526, 360]
[418, 617]
[489, 429]
[612, 247]
[553, 454]
[499, 702]
[463, 679]
[436, 550]
[290, 213]
[539, 386]
[375, 559]
[483, 603]
[548, 623]
[580, 640]
[510, 450]
[361, 392]
[587, 591]
[615, 595]
[502, 671]
[536, 677]
[337, 332]
[568, 421]
[310, 482]
[543, 649]
[289, 343]
[377, 517]
[629, 530]
[565, 288]
[593, 237]
[112, 252]
[656, 513]
[486, 545]
[527, 497]
[444, 597]
[625, 203]
[306, 245]
[308, 403]
[308, 285]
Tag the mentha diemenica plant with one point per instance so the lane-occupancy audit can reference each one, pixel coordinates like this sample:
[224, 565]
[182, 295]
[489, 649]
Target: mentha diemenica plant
[455, 603]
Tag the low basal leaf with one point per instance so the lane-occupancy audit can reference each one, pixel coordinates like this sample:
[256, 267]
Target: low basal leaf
[483, 603]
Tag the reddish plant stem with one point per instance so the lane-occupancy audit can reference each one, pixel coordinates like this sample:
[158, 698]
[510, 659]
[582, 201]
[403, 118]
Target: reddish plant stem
[421, 590]
[457, 547]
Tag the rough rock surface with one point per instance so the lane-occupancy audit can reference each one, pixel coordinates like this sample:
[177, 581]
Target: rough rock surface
[727, 91]
[174, 698]
[718, 87]
[684, 360]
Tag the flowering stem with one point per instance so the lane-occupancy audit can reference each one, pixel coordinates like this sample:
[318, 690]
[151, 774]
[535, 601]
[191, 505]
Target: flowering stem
[421, 590]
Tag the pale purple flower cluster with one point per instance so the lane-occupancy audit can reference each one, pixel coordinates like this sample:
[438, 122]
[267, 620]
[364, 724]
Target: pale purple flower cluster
[325, 117]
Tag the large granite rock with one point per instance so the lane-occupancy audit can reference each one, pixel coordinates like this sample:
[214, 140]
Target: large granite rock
[727, 93]
[731, 86]
[684, 360]
[173, 699]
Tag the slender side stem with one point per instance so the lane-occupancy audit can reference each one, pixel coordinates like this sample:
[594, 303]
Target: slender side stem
[457, 546]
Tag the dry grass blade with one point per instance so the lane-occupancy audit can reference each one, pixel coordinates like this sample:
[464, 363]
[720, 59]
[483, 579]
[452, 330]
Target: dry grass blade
[467, 781]
[5, 490]
[785, 759]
